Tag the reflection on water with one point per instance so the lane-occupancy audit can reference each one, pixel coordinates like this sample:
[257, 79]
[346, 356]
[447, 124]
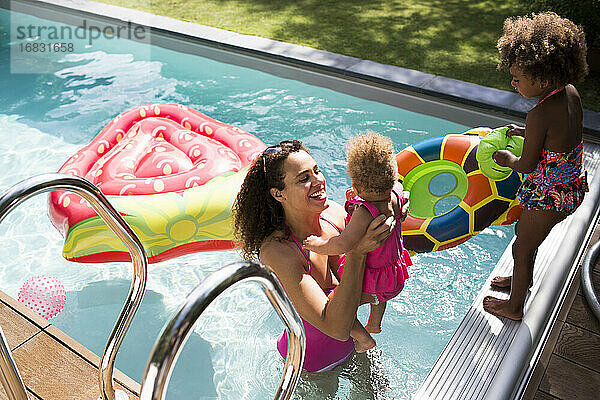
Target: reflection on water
[102, 301]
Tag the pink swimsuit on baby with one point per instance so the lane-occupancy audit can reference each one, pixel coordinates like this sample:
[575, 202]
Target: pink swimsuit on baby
[385, 267]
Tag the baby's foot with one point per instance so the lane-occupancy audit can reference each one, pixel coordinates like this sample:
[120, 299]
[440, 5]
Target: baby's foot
[502, 308]
[373, 329]
[360, 346]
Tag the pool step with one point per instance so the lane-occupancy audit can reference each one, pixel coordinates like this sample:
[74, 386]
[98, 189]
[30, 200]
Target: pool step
[493, 358]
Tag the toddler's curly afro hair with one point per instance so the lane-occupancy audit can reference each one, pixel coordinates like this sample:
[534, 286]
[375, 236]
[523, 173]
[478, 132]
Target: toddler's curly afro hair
[546, 47]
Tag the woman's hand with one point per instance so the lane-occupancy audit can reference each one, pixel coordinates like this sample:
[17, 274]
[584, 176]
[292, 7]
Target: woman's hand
[515, 130]
[379, 229]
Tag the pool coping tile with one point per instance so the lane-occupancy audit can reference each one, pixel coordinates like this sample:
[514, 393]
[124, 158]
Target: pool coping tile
[89, 356]
[384, 72]
[462, 92]
[17, 330]
[22, 309]
[54, 371]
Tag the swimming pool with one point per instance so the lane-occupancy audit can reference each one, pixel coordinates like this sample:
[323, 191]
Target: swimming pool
[233, 355]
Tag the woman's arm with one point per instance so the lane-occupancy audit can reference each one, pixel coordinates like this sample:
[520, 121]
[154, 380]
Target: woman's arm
[334, 314]
[346, 240]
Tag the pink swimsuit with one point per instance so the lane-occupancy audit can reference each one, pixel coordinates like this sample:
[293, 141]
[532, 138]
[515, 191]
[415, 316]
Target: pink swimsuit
[385, 267]
[323, 353]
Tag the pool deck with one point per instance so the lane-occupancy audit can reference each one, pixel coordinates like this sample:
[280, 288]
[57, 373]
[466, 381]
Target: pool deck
[52, 365]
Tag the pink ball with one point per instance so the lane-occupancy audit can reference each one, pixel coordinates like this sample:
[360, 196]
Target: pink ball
[43, 294]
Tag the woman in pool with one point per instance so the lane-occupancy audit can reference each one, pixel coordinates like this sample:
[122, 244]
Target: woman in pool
[282, 201]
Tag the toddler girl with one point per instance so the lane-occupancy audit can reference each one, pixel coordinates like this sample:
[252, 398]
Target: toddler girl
[375, 190]
[544, 54]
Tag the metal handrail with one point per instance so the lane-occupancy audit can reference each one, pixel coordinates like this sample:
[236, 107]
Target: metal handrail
[177, 331]
[49, 182]
[587, 285]
[9, 373]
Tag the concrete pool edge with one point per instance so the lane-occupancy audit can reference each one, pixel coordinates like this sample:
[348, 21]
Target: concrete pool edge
[397, 78]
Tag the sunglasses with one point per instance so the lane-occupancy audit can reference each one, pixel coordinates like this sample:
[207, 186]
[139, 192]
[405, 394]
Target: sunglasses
[274, 149]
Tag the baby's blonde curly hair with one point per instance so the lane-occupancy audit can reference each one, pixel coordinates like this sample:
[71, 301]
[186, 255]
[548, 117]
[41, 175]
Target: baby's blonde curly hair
[371, 162]
[545, 47]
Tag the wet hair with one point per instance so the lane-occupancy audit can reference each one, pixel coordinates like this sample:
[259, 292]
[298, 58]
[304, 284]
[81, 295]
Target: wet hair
[372, 162]
[547, 48]
[256, 214]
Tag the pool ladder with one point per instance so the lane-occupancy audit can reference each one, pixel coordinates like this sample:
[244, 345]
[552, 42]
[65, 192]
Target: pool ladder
[587, 285]
[176, 332]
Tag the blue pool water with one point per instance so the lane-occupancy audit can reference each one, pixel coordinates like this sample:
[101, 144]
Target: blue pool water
[46, 117]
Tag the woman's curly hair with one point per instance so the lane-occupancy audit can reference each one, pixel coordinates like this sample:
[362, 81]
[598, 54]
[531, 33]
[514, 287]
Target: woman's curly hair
[256, 214]
[546, 47]
[372, 162]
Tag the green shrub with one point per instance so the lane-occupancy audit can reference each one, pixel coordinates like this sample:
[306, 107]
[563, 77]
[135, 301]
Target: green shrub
[582, 12]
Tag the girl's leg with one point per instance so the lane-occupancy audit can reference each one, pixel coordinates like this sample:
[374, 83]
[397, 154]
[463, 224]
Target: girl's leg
[533, 227]
[363, 340]
[374, 324]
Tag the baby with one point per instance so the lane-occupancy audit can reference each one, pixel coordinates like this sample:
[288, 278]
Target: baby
[375, 190]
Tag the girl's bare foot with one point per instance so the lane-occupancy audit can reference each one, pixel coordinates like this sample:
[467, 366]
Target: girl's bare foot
[373, 329]
[502, 308]
[360, 346]
[503, 282]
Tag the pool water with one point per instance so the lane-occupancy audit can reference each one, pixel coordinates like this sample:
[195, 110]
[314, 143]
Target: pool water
[46, 117]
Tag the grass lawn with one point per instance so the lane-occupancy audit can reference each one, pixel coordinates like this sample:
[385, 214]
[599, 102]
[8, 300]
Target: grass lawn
[451, 38]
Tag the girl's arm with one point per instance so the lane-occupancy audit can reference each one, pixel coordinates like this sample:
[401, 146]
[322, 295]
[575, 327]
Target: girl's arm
[532, 146]
[334, 315]
[346, 240]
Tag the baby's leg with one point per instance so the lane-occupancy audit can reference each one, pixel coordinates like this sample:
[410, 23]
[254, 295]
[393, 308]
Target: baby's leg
[533, 227]
[363, 340]
[374, 324]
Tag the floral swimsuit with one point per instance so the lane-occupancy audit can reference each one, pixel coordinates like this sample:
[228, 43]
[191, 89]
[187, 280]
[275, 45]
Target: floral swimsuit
[557, 182]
